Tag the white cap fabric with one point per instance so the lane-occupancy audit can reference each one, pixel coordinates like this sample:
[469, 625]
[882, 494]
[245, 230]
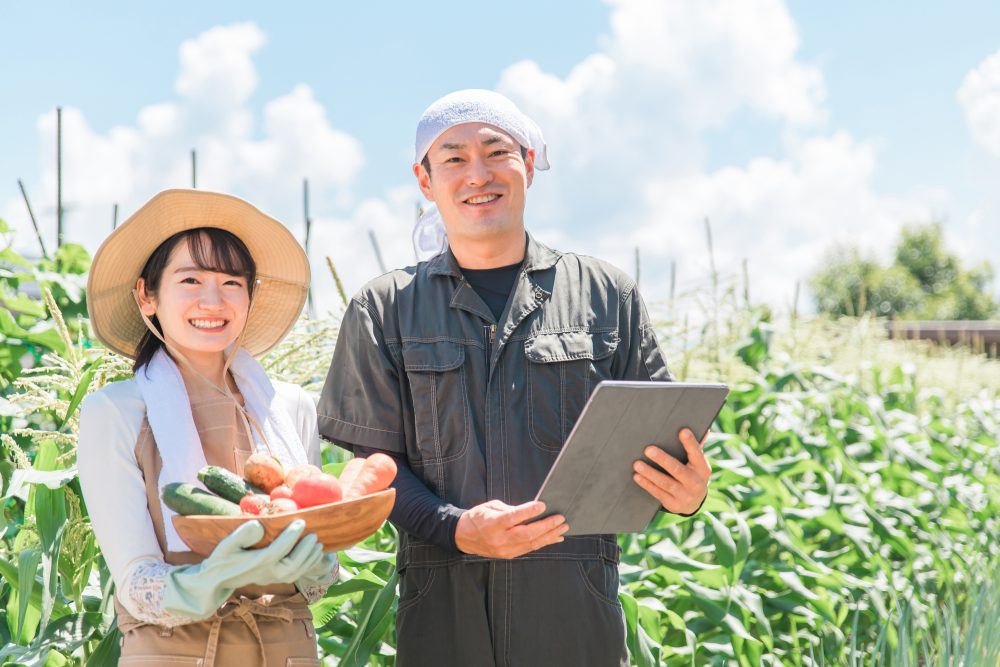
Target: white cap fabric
[468, 106]
[479, 106]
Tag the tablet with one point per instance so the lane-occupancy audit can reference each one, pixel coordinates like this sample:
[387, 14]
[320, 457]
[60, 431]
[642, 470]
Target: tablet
[591, 482]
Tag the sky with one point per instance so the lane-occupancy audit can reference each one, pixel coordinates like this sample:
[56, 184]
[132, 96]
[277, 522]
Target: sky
[792, 126]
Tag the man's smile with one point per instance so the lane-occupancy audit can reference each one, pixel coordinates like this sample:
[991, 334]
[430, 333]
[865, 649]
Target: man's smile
[480, 200]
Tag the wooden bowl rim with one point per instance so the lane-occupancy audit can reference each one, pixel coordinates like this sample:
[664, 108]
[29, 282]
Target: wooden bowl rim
[211, 518]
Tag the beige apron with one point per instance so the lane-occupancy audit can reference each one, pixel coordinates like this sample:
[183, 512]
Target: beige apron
[259, 626]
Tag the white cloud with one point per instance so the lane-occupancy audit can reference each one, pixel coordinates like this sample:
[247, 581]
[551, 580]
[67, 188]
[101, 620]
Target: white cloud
[628, 128]
[265, 162]
[628, 132]
[979, 96]
[722, 55]
[216, 67]
[780, 215]
[346, 241]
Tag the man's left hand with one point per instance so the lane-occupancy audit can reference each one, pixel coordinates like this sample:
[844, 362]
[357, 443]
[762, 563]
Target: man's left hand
[683, 488]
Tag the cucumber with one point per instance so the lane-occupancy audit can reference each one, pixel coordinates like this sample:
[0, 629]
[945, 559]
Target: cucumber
[229, 485]
[188, 499]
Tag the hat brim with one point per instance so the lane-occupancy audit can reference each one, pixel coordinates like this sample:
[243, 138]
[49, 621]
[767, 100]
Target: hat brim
[282, 266]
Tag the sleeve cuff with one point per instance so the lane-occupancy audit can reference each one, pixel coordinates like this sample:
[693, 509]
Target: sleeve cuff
[347, 435]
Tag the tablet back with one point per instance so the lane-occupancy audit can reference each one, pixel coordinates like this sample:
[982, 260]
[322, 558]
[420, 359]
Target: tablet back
[591, 481]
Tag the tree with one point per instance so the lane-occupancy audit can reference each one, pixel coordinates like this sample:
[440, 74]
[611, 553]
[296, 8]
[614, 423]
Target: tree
[925, 281]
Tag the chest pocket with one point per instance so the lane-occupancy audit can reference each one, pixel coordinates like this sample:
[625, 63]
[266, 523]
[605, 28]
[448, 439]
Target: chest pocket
[563, 368]
[436, 375]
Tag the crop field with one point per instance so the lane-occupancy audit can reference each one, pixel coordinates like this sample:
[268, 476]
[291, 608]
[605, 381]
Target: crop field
[853, 516]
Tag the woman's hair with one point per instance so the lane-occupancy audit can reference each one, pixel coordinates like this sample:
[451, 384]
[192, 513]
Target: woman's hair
[212, 249]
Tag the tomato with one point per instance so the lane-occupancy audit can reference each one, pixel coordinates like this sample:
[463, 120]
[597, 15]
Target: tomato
[316, 490]
[281, 491]
[253, 504]
[279, 505]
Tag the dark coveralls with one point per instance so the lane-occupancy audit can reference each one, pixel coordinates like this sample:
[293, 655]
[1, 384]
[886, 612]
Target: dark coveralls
[481, 408]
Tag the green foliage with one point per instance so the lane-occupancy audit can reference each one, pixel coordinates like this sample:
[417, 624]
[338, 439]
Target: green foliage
[852, 518]
[27, 331]
[925, 281]
[830, 502]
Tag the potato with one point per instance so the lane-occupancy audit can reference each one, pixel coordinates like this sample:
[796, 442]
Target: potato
[298, 472]
[264, 471]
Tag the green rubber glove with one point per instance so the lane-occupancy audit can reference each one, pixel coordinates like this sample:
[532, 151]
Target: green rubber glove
[197, 591]
[313, 583]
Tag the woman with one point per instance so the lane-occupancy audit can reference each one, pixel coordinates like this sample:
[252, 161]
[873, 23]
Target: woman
[192, 287]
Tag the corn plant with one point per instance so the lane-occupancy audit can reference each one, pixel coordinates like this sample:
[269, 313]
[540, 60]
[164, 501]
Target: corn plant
[852, 518]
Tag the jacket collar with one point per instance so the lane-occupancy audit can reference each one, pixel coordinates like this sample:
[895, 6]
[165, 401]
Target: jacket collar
[537, 257]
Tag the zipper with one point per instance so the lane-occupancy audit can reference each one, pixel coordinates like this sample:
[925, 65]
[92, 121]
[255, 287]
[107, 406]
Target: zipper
[491, 333]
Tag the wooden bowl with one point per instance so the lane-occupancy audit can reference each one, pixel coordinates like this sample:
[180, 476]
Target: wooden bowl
[337, 525]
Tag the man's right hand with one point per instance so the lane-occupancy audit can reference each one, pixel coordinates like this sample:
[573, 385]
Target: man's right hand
[497, 530]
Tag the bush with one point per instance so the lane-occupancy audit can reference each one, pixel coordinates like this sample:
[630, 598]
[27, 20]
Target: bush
[924, 281]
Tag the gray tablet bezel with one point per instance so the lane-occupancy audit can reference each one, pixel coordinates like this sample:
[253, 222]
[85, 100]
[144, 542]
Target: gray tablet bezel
[591, 482]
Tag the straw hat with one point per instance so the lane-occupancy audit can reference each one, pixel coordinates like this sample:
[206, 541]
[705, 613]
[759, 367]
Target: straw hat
[282, 266]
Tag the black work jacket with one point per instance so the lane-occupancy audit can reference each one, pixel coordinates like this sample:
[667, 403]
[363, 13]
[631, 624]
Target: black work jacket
[481, 408]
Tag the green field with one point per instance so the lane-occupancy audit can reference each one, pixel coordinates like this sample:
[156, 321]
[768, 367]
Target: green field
[853, 517]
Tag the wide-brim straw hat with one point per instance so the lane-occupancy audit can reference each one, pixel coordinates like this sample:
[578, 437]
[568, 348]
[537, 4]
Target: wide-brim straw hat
[282, 267]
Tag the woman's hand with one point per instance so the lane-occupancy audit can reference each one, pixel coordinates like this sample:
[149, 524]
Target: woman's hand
[196, 591]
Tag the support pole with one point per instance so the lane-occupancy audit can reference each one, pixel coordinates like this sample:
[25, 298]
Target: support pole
[34, 222]
[59, 206]
[305, 212]
[378, 250]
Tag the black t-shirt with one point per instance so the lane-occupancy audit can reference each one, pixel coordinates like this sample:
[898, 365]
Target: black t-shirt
[494, 285]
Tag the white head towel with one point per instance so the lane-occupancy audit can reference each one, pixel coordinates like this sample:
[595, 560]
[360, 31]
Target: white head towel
[468, 106]
[168, 411]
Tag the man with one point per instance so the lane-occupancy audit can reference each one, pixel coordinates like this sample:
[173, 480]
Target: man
[470, 369]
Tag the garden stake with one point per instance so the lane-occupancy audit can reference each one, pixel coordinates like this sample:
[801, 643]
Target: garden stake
[34, 223]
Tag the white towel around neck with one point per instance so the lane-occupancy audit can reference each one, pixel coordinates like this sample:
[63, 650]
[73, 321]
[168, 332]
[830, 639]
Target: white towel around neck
[168, 410]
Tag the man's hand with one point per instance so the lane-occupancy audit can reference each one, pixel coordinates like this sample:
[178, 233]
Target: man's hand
[684, 488]
[497, 530]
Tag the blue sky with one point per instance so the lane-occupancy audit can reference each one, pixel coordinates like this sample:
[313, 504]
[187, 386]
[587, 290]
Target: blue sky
[793, 126]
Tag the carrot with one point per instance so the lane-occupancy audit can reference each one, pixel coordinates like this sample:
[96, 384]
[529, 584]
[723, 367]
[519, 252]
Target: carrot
[375, 475]
[350, 472]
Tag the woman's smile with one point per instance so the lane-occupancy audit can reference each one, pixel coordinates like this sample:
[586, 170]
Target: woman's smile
[209, 325]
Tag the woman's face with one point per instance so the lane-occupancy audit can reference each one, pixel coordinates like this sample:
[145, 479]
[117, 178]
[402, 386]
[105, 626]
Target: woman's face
[200, 312]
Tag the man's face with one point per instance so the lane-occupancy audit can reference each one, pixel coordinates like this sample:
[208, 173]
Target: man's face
[478, 180]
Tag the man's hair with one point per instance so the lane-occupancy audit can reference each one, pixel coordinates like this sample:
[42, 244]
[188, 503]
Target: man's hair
[426, 163]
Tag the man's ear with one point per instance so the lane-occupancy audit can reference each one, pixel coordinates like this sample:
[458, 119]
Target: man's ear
[423, 180]
[147, 304]
[529, 166]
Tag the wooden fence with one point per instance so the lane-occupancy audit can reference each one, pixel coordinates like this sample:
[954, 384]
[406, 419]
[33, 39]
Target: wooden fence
[980, 335]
